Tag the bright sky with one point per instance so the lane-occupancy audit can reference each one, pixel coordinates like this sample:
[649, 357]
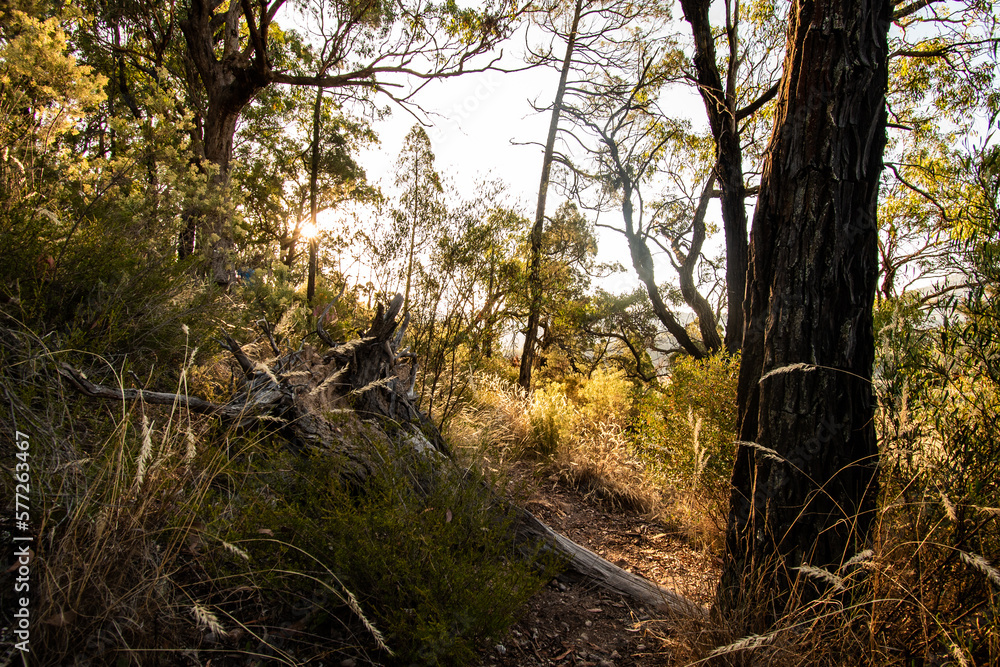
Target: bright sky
[478, 120]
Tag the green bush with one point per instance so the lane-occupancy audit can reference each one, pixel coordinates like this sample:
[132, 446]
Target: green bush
[939, 542]
[429, 559]
[685, 435]
[687, 429]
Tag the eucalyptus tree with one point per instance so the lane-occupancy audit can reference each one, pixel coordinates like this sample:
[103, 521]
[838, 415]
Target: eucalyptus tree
[568, 264]
[360, 48]
[942, 70]
[274, 165]
[590, 31]
[627, 139]
[943, 91]
[466, 295]
[804, 483]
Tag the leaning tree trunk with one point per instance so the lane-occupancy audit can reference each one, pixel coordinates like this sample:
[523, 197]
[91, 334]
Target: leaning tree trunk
[804, 481]
[298, 391]
[534, 270]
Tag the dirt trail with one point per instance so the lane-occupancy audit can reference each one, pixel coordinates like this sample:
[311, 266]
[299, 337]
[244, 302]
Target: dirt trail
[573, 625]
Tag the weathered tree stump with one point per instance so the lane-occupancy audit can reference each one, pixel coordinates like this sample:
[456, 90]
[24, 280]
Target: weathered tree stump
[301, 393]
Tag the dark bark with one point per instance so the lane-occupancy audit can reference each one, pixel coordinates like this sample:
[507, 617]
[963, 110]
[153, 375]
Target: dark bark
[233, 69]
[804, 482]
[720, 103]
[534, 272]
[313, 208]
[229, 84]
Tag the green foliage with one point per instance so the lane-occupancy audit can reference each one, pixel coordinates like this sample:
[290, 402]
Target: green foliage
[430, 563]
[464, 298]
[223, 539]
[273, 167]
[938, 385]
[88, 250]
[687, 430]
[44, 91]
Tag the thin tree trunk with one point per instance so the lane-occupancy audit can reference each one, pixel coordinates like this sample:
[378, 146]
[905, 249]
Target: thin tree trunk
[534, 272]
[804, 482]
[413, 228]
[720, 103]
[313, 177]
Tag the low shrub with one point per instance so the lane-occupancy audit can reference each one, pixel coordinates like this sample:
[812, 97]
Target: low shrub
[685, 432]
[427, 557]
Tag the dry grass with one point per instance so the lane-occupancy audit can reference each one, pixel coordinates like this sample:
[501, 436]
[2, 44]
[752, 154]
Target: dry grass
[583, 440]
[119, 512]
[919, 595]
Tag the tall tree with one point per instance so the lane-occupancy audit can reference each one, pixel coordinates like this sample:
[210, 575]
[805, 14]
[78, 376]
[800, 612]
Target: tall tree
[420, 203]
[592, 31]
[804, 480]
[273, 167]
[568, 252]
[314, 196]
[626, 137]
[535, 261]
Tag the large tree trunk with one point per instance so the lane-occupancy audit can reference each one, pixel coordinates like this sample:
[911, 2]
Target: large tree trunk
[804, 481]
[369, 379]
[229, 84]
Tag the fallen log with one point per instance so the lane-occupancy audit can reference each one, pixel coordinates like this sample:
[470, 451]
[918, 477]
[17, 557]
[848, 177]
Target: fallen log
[368, 377]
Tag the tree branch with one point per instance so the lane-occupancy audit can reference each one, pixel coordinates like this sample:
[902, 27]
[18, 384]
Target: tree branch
[911, 8]
[755, 106]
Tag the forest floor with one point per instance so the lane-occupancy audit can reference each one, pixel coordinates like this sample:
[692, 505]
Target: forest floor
[576, 625]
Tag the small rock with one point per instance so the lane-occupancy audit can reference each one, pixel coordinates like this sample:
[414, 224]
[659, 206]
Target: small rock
[588, 623]
[501, 649]
[563, 587]
[605, 663]
[615, 655]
